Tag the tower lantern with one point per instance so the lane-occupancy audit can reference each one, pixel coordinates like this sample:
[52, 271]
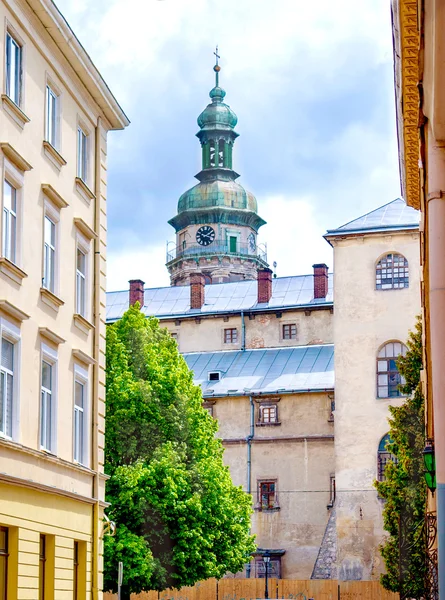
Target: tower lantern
[217, 222]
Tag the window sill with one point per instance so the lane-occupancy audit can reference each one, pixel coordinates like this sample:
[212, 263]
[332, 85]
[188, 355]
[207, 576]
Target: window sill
[267, 510]
[83, 324]
[277, 423]
[53, 155]
[51, 299]
[12, 270]
[83, 190]
[14, 111]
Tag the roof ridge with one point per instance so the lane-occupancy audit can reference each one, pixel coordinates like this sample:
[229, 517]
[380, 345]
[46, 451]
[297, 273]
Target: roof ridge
[367, 214]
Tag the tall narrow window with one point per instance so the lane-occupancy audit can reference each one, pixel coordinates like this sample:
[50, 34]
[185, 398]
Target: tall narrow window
[79, 421]
[51, 116]
[81, 263]
[49, 254]
[82, 140]
[9, 221]
[388, 376]
[46, 408]
[384, 457]
[13, 69]
[267, 495]
[42, 561]
[3, 562]
[6, 387]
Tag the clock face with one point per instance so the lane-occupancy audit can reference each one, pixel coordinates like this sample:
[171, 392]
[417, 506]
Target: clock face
[252, 242]
[205, 235]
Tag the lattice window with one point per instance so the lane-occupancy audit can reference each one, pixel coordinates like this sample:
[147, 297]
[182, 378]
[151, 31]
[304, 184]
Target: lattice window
[267, 495]
[230, 336]
[388, 376]
[392, 272]
[268, 414]
[384, 457]
[289, 331]
[273, 568]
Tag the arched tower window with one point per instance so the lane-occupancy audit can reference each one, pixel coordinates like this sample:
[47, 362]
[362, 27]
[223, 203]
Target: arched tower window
[212, 153]
[221, 145]
[384, 457]
[392, 272]
[388, 376]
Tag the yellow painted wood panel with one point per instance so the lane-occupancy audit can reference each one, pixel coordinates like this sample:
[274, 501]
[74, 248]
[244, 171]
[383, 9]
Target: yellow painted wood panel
[245, 589]
[304, 589]
[365, 590]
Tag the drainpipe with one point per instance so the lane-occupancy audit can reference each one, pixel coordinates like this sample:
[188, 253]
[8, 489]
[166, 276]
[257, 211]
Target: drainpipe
[249, 461]
[436, 324]
[243, 331]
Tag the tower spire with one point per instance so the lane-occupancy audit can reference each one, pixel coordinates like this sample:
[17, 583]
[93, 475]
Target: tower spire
[217, 68]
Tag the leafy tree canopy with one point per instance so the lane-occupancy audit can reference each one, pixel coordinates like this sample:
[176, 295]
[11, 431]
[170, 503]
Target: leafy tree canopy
[404, 488]
[179, 517]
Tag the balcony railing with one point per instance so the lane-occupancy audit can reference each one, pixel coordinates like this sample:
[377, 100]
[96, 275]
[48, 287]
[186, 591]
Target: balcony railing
[186, 250]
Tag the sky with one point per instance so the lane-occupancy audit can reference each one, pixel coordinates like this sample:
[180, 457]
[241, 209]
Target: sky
[311, 84]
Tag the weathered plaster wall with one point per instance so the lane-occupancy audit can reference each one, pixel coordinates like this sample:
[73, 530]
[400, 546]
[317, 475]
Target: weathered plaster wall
[299, 455]
[262, 330]
[364, 320]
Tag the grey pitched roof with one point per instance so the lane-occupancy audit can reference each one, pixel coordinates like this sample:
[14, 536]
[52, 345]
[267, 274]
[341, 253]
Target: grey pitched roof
[395, 215]
[174, 301]
[267, 371]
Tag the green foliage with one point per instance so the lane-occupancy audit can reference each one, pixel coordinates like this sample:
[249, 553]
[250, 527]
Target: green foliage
[179, 517]
[404, 488]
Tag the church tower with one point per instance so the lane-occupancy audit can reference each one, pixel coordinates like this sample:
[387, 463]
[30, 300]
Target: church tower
[217, 222]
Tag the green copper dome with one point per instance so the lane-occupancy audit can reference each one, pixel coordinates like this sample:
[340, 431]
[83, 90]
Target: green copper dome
[217, 115]
[206, 194]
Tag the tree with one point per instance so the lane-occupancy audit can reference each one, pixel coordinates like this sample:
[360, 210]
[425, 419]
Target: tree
[404, 488]
[179, 517]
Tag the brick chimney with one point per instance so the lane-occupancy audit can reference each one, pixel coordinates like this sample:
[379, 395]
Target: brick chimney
[197, 293]
[264, 285]
[136, 291]
[320, 280]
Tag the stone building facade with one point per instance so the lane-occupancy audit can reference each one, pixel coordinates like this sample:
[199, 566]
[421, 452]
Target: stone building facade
[55, 113]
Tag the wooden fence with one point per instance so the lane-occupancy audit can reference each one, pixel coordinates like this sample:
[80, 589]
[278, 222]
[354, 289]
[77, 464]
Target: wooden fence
[253, 589]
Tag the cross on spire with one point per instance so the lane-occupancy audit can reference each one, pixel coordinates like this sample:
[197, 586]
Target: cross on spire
[217, 55]
[217, 68]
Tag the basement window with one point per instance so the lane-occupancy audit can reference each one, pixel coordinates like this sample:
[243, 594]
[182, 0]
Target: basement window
[214, 375]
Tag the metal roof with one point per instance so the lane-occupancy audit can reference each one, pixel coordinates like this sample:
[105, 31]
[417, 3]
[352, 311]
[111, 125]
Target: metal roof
[394, 215]
[174, 301]
[266, 371]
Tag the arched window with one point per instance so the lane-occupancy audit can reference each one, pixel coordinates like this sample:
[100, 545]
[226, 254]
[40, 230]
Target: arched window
[392, 272]
[388, 376]
[212, 153]
[384, 457]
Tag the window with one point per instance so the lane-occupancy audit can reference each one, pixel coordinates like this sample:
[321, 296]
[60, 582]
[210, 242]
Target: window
[289, 331]
[3, 562]
[233, 240]
[52, 116]
[268, 414]
[79, 420]
[9, 221]
[273, 568]
[48, 398]
[174, 335]
[392, 272]
[214, 375]
[42, 561]
[81, 264]
[6, 387]
[49, 254]
[388, 376]
[230, 336]
[267, 496]
[384, 457]
[13, 69]
[82, 140]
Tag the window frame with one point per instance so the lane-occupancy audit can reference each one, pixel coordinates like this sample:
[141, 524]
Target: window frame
[284, 327]
[270, 506]
[388, 372]
[82, 151]
[11, 333]
[260, 569]
[381, 269]
[42, 566]
[17, 97]
[52, 214]
[232, 335]
[268, 406]
[84, 246]
[384, 457]
[52, 90]
[50, 357]
[81, 376]
[15, 178]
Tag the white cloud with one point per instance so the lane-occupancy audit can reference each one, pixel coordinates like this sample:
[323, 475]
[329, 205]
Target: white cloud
[146, 263]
